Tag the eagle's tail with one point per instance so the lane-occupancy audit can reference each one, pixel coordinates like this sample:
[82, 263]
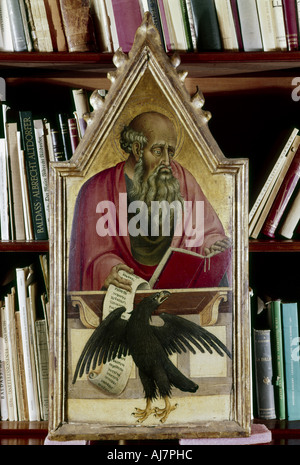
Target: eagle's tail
[179, 380]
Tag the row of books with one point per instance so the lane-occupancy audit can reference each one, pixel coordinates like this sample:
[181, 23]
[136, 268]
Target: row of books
[184, 25]
[24, 364]
[277, 361]
[27, 145]
[276, 209]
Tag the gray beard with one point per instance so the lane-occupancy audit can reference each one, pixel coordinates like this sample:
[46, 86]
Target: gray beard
[160, 185]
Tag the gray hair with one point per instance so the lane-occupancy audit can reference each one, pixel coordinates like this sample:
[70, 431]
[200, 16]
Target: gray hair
[129, 136]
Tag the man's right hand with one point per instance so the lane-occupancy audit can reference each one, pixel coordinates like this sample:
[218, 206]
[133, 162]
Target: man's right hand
[115, 279]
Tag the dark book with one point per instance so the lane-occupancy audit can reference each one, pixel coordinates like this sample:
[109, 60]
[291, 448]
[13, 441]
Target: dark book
[65, 135]
[237, 25]
[264, 374]
[291, 24]
[57, 145]
[73, 131]
[33, 176]
[154, 9]
[206, 26]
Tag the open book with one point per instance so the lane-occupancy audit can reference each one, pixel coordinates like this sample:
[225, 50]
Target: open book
[183, 269]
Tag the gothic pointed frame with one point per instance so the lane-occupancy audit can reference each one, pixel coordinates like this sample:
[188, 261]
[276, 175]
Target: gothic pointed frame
[148, 80]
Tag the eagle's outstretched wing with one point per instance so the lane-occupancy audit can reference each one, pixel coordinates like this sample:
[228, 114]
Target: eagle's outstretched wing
[179, 334]
[107, 342]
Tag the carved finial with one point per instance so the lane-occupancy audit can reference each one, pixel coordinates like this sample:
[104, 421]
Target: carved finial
[97, 100]
[175, 60]
[119, 58]
[182, 75]
[198, 99]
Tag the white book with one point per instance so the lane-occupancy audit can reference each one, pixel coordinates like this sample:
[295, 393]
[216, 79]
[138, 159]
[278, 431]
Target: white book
[9, 377]
[23, 276]
[39, 131]
[226, 24]
[102, 27]
[113, 27]
[292, 218]
[11, 374]
[279, 24]
[4, 199]
[3, 393]
[25, 194]
[178, 25]
[17, 208]
[7, 40]
[250, 27]
[267, 24]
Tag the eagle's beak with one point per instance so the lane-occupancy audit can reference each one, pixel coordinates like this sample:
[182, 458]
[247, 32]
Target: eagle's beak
[162, 296]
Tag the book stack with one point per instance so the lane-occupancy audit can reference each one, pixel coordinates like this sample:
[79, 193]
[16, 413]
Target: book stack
[276, 210]
[277, 361]
[27, 145]
[24, 323]
[184, 25]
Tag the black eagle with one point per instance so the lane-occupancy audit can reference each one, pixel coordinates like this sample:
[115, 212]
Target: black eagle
[150, 347]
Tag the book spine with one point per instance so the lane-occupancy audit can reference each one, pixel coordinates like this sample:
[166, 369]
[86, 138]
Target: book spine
[73, 131]
[78, 26]
[291, 359]
[285, 192]
[43, 365]
[9, 375]
[226, 23]
[33, 176]
[102, 27]
[250, 29]
[33, 403]
[279, 25]
[3, 393]
[43, 166]
[237, 24]
[16, 24]
[58, 150]
[290, 17]
[81, 107]
[186, 25]
[128, 18]
[7, 41]
[278, 361]
[65, 136]
[56, 29]
[164, 25]
[12, 148]
[267, 24]
[264, 374]
[206, 26]
[292, 219]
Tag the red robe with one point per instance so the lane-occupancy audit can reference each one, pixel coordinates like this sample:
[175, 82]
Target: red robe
[92, 257]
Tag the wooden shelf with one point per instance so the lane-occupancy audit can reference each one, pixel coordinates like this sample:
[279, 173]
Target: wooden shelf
[196, 63]
[23, 432]
[268, 245]
[24, 246]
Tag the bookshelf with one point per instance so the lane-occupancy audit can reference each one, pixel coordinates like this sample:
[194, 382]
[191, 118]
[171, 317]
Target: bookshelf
[257, 86]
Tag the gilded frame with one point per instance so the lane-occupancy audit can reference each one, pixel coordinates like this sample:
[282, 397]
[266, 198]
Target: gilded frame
[148, 65]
